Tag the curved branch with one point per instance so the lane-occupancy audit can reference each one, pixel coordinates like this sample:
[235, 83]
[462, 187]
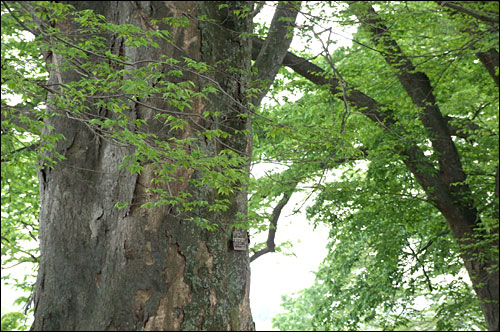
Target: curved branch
[270, 245]
[367, 105]
[418, 87]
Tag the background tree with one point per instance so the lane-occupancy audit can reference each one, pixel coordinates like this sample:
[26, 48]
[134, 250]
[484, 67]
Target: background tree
[409, 104]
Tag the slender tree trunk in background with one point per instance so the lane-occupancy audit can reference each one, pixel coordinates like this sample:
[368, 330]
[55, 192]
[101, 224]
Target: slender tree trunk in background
[446, 188]
[137, 269]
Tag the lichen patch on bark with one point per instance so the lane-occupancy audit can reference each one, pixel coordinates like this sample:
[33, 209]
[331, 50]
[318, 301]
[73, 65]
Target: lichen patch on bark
[148, 255]
[203, 255]
[170, 312]
[141, 297]
[156, 323]
[190, 41]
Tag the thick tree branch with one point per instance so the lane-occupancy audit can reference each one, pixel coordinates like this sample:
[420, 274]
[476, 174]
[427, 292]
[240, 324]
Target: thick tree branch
[267, 64]
[419, 89]
[490, 61]
[270, 245]
[273, 50]
[414, 158]
[448, 190]
[489, 17]
[445, 186]
[318, 76]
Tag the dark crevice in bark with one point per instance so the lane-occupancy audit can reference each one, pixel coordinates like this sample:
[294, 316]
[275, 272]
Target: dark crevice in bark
[141, 269]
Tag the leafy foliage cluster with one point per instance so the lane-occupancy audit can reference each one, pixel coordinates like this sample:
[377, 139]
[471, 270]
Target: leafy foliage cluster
[390, 250]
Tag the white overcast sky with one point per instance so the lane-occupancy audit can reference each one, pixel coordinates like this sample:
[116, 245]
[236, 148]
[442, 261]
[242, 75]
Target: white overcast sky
[274, 274]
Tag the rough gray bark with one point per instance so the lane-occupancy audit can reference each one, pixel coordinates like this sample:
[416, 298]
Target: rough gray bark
[136, 269]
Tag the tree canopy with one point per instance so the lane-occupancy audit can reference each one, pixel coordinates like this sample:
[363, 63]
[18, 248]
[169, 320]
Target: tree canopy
[394, 139]
[389, 244]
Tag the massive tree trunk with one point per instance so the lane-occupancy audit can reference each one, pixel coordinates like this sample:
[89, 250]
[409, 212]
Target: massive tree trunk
[137, 269]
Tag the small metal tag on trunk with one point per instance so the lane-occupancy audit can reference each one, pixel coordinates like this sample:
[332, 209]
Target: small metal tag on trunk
[240, 240]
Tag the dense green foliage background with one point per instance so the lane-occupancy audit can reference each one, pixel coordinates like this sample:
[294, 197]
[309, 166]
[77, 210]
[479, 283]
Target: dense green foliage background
[392, 262]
